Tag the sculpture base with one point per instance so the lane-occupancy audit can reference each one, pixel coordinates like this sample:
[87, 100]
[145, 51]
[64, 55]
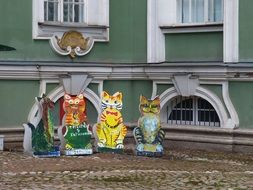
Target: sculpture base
[80, 151]
[149, 154]
[111, 150]
[150, 150]
[47, 154]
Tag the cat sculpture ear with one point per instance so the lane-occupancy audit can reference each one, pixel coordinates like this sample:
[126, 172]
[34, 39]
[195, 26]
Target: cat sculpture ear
[104, 94]
[156, 100]
[143, 99]
[67, 97]
[80, 96]
[118, 95]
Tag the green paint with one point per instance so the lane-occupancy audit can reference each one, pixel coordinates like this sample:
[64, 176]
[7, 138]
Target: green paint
[245, 31]
[194, 46]
[162, 87]
[56, 113]
[128, 34]
[241, 97]
[40, 142]
[131, 91]
[77, 137]
[94, 88]
[217, 90]
[16, 100]
[92, 114]
[50, 87]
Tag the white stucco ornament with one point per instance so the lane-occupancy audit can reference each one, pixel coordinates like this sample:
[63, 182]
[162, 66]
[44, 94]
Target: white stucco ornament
[72, 43]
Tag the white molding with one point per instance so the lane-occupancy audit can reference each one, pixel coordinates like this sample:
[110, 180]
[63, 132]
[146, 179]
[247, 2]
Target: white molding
[217, 104]
[185, 84]
[155, 84]
[154, 89]
[231, 31]
[77, 50]
[96, 26]
[229, 105]
[234, 120]
[192, 28]
[55, 95]
[213, 99]
[159, 72]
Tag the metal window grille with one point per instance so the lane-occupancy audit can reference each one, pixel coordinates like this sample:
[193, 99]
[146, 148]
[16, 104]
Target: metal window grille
[191, 111]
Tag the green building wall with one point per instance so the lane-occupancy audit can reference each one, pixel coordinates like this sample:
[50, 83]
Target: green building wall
[128, 34]
[241, 96]
[188, 47]
[131, 91]
[245, 31]
[16, 100]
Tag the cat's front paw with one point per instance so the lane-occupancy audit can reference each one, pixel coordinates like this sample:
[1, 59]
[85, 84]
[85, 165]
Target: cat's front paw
[68, 146]
[140, 147]
[100, 144]
[159, 148]
[120, 146]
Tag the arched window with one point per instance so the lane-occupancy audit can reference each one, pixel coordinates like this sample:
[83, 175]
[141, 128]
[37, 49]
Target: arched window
[191, 111]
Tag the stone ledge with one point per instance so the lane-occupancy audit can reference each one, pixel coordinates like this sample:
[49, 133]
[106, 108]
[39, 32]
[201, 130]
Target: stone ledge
[194, 137]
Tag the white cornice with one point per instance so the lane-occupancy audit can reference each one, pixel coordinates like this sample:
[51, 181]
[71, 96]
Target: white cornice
[130, 72]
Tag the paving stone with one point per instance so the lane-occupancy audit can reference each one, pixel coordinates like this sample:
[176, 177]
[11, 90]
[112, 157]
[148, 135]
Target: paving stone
[175, 170]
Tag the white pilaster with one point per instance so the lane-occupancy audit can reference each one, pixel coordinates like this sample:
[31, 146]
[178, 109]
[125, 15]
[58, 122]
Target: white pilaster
[156, 39]
[231, 31]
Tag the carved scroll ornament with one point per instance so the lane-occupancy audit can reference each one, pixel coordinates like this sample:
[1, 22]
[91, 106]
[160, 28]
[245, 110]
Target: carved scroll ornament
[72, 43]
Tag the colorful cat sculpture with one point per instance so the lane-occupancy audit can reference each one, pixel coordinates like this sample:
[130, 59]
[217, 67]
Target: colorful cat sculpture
[76, 131]
[110, 131]
[42, 133]
[148, 134]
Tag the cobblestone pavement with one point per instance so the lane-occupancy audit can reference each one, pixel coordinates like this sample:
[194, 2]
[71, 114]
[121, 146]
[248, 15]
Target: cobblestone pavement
[175, 170]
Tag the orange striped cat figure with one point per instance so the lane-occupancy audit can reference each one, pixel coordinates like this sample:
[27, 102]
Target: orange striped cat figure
[111, 129]
[75, 110]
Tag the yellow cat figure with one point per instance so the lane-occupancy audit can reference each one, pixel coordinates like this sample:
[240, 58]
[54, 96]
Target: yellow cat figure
[111, 130]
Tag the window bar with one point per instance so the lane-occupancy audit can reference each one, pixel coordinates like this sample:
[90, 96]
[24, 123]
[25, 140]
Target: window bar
[180, 11]
[176, 110]
[191, 108]
[195, 110]
[73, 11]
[67, 11]
[214, 121]
[190, 11]
[181, 107]
[47, 10]
[209, 114]
[172, 109]
[188, 110]
[207, 9]
[60, 11]
[167, 115]
[204, 111]
[185, 111]
[222, 10]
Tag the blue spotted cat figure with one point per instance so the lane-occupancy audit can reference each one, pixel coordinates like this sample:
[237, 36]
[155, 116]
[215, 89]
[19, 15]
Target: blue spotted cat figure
[148, 134]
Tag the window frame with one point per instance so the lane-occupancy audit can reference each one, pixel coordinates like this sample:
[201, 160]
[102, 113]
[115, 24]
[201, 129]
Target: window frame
[60, 16]
[95, 25]
[206, 14]
[169, 22]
